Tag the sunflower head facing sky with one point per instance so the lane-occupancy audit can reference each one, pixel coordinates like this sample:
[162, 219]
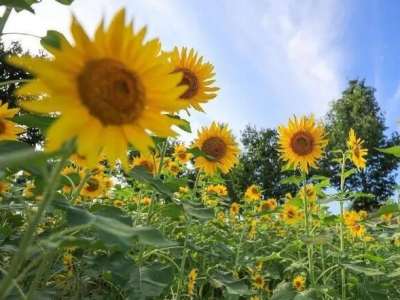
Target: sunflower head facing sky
[217, 142]
[110, 91]
[197, 77]
[301, 143]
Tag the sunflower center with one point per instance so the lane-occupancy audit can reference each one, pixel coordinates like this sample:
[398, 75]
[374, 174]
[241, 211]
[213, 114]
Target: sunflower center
[302, 143]
[93, 185]
[356, 151]
[111, 92]
[290, 214]
[2, 127]
[214, 147]
[149, 166]
[189, 79]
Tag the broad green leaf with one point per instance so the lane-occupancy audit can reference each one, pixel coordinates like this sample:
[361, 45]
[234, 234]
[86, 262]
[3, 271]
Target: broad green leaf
[292, 179]
[284, 291]
[53, 39]
[171, 210]
[296, 201]
[385, 209]
[183, 124]
[198, 210]
[34, 121]
[306, 295]
[395, 273]
[363, 270]
[198, 153]
[392, 150]
[319, 239]
[319, 178]
[272, 256]
[372, 257]
[233, 286]
[173, 184]
[19, 5]
[65, 2]
[140, 173]
[349, 172]
[359, 194]
[327, 199]
[372, 291]
[149, 281]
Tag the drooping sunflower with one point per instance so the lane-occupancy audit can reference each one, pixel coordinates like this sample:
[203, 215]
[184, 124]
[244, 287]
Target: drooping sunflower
[111, 90]
[253, 193]
[257, 281]
[357, 152]
[145, 160]
[181, 155]
[301, 143]
[269, 204]
[192, 281]
[216, 142]
[196, 77]
[8, 130]
[299, 282]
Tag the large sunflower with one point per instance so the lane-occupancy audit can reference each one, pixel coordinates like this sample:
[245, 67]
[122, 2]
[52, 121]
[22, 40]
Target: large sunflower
[216, 142]
[110, 90]
[196, 77]
[8, 130]
[301, 143]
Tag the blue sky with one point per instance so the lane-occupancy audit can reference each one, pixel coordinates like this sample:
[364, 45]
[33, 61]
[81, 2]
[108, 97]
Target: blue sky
[273, 58]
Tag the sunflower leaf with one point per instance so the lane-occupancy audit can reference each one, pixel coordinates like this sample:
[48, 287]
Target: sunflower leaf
[53, 39]
[392, 150]
[197, 153]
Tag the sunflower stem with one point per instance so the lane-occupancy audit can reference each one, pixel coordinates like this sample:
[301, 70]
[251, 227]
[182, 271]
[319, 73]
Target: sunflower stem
[307, 225]
[8, 82]
[341, 202]
[53, 179]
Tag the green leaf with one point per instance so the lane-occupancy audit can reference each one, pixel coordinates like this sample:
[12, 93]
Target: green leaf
[34, 121]
[395, 273]
[65, 2]
[363, 270]
[385, 209]
[197, 153]
[372, 257]
[327, 199]
[292, 179]
[173, 184]
[372, 291]
[392, 150]
[19, 5]
[360, 194]
[284, 291]
[183, 124]
[149, 281]
[306, 295]
[349, 172]
[319, 178]
[319, 239]
[296, 201]
[198, 210]
[233, 286]
[172, 211]
[140, 173]
[53, 39]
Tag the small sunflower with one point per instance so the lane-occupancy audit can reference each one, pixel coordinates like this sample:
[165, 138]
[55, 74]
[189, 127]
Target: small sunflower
[218, 189]
[301, 143]
[4, 187]
[111, 90]
[145, 201]
[356, 230]
[144, 160]
[299, 282]
[94, 187]
[8, 130]
[253, 193]
[196, 77]
[269, 204]
[192, 281]
[216, 142]
[173, 167]
[181, 155]
[290, 213]
[257, 281]
[118, 203]
[310, 193]
[356, 150]
[234, 210]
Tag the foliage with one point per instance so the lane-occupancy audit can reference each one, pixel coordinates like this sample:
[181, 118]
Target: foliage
[359, 109]
[259, 164]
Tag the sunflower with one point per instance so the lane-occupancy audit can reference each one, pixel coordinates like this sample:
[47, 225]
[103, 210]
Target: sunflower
[218, 189]
[181, 155]
[196, 77]
[356, 150]
[144, 160]
[290, 213]
[301, 143]
[252, 193]
[145, 201]
[173, 167]
[299, 283]
[94, 187]
[217, 143]
[192, 281]
[234, 210]
[81, 161]
[4, 186]
[118, 203]
[269, 204]
[8, 130]
[111, 90]
[310, 193]
[356, 230]
[258, 281]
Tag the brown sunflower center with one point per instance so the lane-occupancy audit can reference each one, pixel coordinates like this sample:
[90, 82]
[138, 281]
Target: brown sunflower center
[356, 152]
[149, 166]
[189, 79]
[92, 185]
[214, 147]
[2, 127]
[111, 92]
[302, 143]
[291, 214]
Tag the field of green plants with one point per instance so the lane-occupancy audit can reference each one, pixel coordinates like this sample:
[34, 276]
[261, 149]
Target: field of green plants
[113, 207]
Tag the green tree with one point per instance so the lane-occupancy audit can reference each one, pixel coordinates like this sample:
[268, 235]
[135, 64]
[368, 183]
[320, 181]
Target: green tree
[259, 164]
[359, 109]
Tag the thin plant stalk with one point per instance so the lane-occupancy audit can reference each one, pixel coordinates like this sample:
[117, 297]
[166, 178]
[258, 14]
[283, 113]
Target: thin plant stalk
[341, 202]
[307, 225]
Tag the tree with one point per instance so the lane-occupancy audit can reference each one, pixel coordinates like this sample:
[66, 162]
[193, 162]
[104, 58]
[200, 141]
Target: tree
[359, 109]
[259, 164]
[33, 136]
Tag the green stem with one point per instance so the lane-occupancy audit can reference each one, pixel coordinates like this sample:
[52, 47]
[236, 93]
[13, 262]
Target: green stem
[5, 284]
[323, 264]
[4, 18]
[341, 202]
[183, 262]
[3, 83]
[307, 224]
[38, 275]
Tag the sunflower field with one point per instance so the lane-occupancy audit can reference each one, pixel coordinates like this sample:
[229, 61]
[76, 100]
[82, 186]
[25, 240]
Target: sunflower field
[109, 208]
